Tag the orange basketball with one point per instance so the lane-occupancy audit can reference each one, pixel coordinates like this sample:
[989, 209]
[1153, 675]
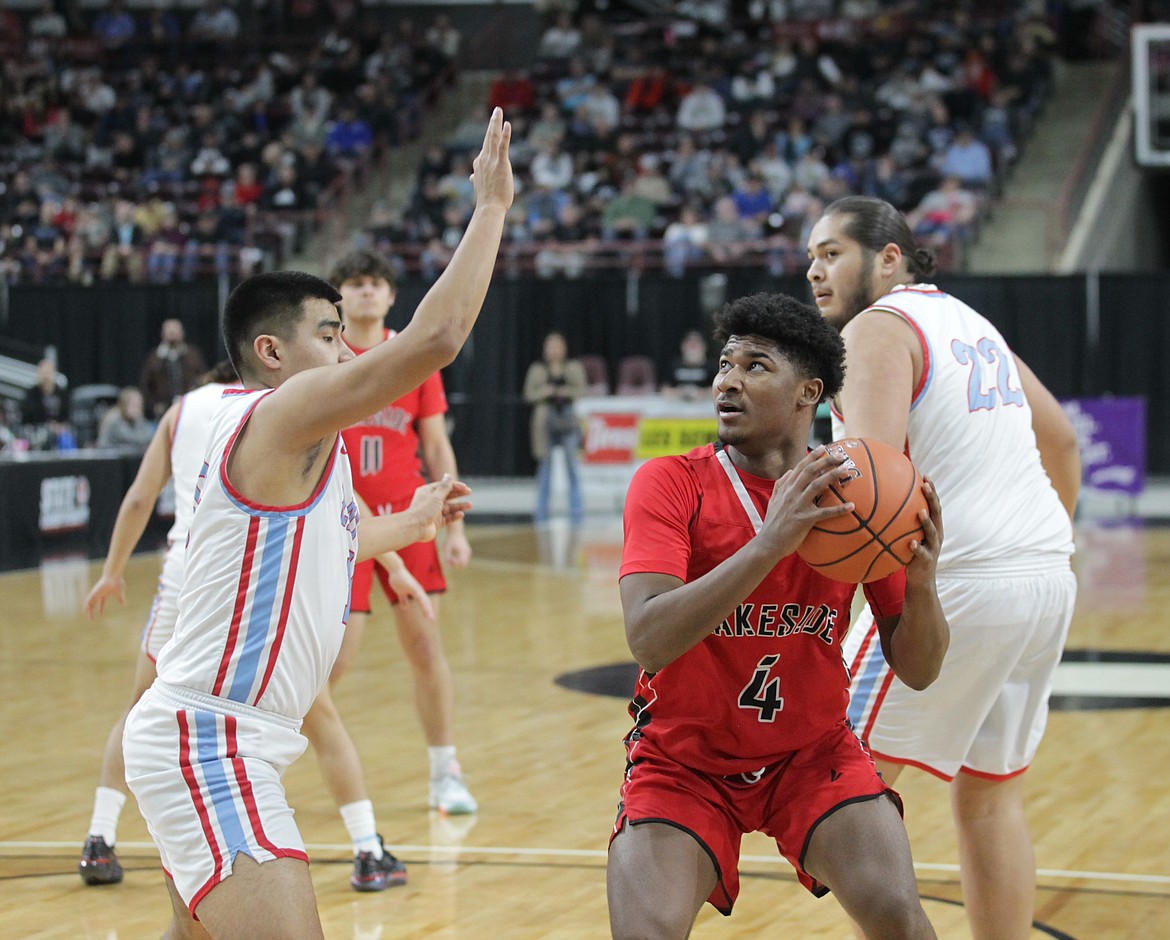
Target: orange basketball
[874, 539]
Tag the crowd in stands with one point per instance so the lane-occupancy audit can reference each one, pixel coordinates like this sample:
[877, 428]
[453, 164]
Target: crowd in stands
[715, 134]
[162, 143]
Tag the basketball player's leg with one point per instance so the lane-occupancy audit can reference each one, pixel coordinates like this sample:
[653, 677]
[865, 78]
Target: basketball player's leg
[337, 755]
[113, 772]
[997, 861]
[272, 901]
[657, 879]
[183, 925]
[875, 886]
[434, 687]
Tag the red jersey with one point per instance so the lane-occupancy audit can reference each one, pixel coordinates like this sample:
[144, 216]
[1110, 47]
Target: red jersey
[384, 448]
[770, 678]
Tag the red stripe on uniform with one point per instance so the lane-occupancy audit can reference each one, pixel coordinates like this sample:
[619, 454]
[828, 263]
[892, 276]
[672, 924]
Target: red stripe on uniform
[863, 650]
[241, 601]
[877, 704]
[285, 604]
[197, 797]
[246, 794]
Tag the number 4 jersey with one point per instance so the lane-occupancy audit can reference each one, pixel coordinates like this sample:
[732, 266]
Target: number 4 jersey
[970, 431]
[769, 678]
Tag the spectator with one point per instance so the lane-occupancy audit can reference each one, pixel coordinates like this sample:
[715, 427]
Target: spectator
[628, 215]
[123, 254]
[551, 386]
[561, 40]
[166, 246]
[45, 409]
[114, 27]
[944, 213]
[571, 246]
[48, 23]
[552, 168]
[692, 373]
[727, 232]
[215, 23]
[170, 370]
[701, 110]
[513, 92]
[124, 427]
[573, 88]
[349, 137]
[684, 241]
[969, 159]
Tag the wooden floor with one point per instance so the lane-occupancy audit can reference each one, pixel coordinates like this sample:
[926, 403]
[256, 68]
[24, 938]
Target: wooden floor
[545, 763]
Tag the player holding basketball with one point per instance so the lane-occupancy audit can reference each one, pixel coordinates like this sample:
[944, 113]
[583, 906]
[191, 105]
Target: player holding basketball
[176, 452]
[740, 704]
[264, 601]
[384, 453]
[929, 375]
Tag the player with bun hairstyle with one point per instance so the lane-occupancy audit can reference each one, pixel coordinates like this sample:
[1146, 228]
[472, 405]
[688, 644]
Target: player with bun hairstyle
[739, 708]
[933, 378]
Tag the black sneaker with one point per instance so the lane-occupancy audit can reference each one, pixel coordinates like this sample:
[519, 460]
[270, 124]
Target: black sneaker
[375, 874]
[99, 865]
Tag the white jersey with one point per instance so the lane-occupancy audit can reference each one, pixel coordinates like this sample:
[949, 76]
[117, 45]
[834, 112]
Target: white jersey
[188, 443]
[265, 599]
[970, 431]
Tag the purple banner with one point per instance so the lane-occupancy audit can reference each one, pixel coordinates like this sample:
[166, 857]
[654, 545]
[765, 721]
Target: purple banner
[1111, 433]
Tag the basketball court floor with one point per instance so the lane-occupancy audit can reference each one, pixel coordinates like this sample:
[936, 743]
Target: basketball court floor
[534, 634]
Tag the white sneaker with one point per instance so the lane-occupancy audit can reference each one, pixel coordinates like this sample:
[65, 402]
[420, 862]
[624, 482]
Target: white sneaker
[449, 794]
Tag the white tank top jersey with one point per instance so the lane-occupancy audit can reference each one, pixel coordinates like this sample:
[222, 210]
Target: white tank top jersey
[192, 423]
[265, 600]
[970, 431]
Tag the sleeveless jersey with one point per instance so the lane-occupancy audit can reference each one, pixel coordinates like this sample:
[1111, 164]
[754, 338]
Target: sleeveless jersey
[769, 678]
[188, 443]
[384, 448]
[265, 599]
[970, 431]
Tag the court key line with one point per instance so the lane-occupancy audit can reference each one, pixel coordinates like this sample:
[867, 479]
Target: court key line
[601, 854]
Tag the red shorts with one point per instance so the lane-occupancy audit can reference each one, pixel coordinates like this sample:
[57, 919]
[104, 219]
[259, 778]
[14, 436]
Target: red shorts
[422, 561]
[786, 802]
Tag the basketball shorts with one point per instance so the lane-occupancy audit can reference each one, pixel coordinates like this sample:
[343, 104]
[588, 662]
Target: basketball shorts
[422, 561]
[985, 713]
[786, 801]
[164, 609]
[206, 774]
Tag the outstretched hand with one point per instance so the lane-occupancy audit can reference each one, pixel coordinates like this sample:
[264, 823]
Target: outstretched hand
[492, 169]
[439, 503]
[103, 590]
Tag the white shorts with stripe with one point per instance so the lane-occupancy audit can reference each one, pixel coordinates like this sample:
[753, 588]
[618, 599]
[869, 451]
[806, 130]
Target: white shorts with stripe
[206, 774]
[986, 712]
[164, 609]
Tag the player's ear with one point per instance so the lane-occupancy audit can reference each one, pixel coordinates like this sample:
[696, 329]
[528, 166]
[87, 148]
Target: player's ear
[889, 258]
[811, 392]
[267, 350]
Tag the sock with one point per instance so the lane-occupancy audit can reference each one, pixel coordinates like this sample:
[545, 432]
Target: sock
[443, 761]
[358, 817]
[107, 807]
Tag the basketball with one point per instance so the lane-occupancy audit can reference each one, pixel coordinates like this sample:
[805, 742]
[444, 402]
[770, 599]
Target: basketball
[874, 539]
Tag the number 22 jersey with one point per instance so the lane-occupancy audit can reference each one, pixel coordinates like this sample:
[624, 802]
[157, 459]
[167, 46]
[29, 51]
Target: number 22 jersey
[769, 678]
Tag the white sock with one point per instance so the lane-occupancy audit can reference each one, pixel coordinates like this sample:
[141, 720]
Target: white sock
[358, 817]
[443, 761]
[107, 807]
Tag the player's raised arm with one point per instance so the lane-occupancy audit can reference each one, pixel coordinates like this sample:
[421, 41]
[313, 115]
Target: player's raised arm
[314, 404]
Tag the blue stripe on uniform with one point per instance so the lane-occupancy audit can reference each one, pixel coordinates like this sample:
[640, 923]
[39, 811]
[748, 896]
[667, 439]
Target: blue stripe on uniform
[263, 602]
[217, 785]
